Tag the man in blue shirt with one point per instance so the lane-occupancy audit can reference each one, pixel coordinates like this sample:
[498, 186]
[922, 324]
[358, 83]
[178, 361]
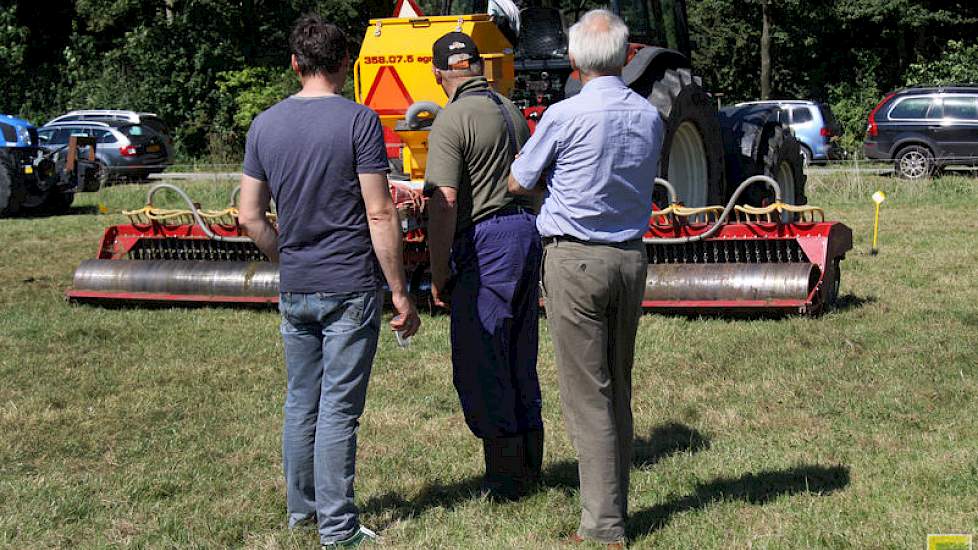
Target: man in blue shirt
[322, 158]
[594, 157]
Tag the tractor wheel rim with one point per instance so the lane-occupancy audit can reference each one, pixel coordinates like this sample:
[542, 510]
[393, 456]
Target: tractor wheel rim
[688, 170]
[913, 164]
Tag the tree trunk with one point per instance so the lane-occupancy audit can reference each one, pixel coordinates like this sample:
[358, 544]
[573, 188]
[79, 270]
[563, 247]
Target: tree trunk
[765, 50]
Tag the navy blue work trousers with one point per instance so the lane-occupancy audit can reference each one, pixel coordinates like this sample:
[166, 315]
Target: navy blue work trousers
[494, 325]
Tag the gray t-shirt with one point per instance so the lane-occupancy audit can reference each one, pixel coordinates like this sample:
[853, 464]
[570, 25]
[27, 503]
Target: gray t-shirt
[310, 151]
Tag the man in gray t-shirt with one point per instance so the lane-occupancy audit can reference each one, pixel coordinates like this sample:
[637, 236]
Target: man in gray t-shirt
[322, 158]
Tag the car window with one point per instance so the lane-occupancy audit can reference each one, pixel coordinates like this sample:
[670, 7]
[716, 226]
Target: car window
[913, 108]
[960, 107]
[134, 130]
[59, 136]
[156, 124]
[45, 136]
[103, 136]
[801, 115]
[827, 115]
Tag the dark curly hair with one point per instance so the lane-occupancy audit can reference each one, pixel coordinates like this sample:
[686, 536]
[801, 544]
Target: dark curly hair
[319, 47]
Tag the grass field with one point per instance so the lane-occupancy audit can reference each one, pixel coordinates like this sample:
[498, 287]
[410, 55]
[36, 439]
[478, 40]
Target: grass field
[159, 428]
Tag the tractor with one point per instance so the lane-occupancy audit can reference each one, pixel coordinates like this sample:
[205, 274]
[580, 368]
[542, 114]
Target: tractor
[34, 180]
[706, 152]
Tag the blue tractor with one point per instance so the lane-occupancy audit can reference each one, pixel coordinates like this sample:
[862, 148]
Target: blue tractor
[32, 179]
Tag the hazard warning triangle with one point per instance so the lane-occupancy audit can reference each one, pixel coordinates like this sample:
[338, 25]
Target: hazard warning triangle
[387, 95]
[407, 8]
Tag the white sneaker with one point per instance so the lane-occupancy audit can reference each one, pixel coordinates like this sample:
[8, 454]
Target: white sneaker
[362, 536]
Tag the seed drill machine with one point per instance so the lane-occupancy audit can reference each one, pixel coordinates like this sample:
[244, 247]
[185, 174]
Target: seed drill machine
[730, 230]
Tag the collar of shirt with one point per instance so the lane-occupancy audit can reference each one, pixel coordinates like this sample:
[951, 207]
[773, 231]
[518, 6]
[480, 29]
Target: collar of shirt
[478, 83]
[595, 85]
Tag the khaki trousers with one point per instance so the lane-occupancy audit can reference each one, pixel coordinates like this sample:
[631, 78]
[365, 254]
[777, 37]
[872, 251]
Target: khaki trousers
[594, 300]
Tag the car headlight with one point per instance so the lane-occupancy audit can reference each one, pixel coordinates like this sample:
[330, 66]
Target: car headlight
[23, 134]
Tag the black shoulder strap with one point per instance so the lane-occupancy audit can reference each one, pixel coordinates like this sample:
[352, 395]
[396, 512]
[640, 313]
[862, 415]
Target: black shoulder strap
[510, 127]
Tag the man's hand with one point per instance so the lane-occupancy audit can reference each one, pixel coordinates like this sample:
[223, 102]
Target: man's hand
[439, 290]
[442, 216]
[406, 321]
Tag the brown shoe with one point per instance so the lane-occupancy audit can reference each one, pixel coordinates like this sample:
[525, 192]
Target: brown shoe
[574, 538]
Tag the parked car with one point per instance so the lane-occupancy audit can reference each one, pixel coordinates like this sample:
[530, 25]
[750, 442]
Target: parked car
[923, 129]
[152, 120]
[812, 123]
[123, 149]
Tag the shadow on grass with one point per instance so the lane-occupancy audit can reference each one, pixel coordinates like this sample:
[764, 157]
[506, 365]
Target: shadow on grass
[759, 488]
[42, 212]
[851, 301]
[663, 441]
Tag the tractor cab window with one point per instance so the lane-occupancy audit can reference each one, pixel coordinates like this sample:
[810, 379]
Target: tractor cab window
[464, 7]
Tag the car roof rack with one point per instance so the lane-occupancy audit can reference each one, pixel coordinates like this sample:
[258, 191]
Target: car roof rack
[107, 124]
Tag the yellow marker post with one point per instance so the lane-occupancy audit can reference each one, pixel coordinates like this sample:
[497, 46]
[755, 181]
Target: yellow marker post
[878, 198]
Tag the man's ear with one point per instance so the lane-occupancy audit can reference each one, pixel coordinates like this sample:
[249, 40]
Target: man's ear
[295, 66]
[437, 74]
[572, 62]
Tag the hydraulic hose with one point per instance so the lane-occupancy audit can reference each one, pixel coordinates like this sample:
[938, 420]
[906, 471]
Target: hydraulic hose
[193, 212]
[726, 211]
[673, 196]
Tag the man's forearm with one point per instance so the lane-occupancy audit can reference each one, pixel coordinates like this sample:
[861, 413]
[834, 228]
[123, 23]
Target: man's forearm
[266, 238]
[385, 235]
[515, 188]
[441, 232]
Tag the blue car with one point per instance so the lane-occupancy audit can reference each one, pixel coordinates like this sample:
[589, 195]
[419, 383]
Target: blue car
[814, 126]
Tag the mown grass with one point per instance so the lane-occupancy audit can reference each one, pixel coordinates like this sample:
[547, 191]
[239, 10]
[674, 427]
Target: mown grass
[152, 428]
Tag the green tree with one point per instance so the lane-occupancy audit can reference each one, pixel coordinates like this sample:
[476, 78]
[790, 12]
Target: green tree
[957, 64]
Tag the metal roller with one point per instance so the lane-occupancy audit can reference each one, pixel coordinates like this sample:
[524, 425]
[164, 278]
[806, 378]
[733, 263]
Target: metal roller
[171, 277]
[730, 282]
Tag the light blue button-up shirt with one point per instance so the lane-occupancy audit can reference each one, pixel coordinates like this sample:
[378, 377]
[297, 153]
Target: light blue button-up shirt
[598, 155]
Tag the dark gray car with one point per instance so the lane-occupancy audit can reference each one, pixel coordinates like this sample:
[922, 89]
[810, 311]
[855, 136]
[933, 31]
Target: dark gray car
[123, 149]
[925, 129]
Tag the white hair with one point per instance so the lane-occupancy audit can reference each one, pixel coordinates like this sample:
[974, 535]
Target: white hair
[599, 42]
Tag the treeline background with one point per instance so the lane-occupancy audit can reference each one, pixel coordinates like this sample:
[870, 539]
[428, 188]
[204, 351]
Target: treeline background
[209, 66]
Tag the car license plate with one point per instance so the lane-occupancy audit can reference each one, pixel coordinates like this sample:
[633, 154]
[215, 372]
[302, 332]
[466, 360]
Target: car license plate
[153, 149]
[28, 169]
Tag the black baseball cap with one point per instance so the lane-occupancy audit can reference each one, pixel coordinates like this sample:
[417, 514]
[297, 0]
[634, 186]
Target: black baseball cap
[453, 51]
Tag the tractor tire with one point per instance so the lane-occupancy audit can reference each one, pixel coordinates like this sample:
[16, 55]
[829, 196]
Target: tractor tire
[101, 179]
[692, 151]
[782, 160]
[756, 143]
[12, 192]
[57, 202]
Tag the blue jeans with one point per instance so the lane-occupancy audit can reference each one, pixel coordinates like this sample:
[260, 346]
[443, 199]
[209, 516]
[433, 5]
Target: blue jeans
[330, 341]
